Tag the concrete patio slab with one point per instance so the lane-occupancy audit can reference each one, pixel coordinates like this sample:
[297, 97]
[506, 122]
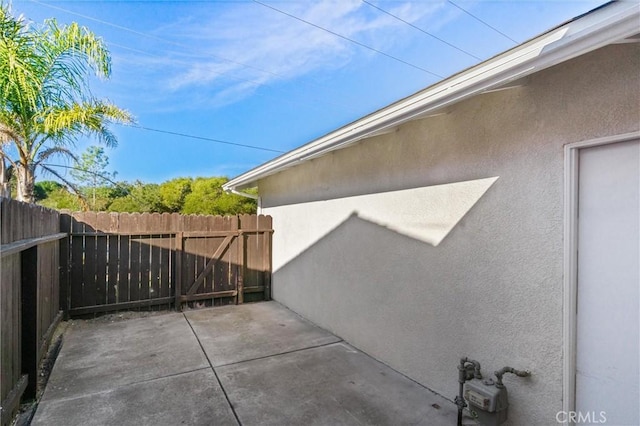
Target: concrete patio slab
[231, 334]
[193, 398]
[329, 385]
[98, 357]
[273, 368]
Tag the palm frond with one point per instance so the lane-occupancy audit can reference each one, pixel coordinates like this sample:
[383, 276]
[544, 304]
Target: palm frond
[56, 150]
[89, 118]
[8, 134]
[71, 52]
[76, 191]
[4, 155]
[19, 63]
[78, 42]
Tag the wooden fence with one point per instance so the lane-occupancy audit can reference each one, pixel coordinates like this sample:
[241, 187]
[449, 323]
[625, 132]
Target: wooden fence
[29, 297]
[117, 261]
[85, 263]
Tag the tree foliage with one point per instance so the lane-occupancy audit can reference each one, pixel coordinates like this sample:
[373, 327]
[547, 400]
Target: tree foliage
[208, 197]
[140, 197]
[173, 193]
[180, 195]
[45, 99]
[90, 172]
[90, 168]
[54, 195]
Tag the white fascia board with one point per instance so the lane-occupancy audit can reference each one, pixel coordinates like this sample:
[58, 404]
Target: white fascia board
[603, 26]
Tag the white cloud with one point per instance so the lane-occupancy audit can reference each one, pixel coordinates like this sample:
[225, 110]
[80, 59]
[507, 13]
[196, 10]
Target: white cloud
[261, 45]
[220, 53]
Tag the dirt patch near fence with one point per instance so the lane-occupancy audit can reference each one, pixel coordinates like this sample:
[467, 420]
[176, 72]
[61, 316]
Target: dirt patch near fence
[28, 409]
[120, 316]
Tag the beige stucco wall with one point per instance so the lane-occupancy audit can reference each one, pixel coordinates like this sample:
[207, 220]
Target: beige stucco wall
[354, 248]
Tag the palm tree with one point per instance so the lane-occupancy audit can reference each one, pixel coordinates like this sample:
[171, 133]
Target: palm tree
[45, 101]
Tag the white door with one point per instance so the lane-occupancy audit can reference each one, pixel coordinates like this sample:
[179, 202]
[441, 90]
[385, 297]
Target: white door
[608, 302]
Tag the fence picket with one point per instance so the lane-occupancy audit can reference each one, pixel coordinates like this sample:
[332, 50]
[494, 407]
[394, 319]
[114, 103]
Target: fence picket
[76, 262]
[89, 288]
[123, 259]
[64, 256]
[103, 222]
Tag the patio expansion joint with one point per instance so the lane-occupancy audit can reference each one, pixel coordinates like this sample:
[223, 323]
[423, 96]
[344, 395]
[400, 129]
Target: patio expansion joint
[280, 353]
[124, 385]
[224, 391]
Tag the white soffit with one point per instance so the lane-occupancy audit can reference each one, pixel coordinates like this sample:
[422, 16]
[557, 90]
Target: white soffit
[606, 25]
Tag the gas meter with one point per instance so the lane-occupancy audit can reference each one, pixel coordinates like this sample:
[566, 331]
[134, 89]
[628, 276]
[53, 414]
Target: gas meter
[486, 399]
[487, 403]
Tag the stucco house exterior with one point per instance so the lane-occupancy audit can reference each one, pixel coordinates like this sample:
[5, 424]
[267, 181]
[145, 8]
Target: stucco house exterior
[493, 215]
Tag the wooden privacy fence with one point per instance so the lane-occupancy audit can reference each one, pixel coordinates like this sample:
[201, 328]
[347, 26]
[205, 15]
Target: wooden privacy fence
[116, 261]
[99, 262]
[29, 297]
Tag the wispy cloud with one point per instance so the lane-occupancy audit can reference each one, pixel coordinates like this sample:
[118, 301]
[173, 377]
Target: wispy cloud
[250, 45]
[218, 54]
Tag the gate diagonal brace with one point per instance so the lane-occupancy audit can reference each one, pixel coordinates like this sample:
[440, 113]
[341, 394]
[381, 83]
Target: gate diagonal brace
[211, 263]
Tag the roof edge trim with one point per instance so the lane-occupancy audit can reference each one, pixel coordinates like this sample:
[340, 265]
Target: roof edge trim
[598, 28]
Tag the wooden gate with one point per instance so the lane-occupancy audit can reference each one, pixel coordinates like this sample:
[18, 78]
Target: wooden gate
[225, 265]
[126, 261]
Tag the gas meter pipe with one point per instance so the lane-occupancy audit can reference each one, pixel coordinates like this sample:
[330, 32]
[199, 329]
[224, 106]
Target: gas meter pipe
[503, 370]
[467, 370]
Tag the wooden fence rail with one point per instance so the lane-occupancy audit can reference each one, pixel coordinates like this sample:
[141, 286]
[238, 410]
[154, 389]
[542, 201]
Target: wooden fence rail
[117, 261]
[29, 297]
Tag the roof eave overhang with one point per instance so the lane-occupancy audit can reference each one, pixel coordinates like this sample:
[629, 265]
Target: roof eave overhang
[596, 29]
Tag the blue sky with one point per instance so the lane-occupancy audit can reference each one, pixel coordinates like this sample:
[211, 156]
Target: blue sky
[241, 72]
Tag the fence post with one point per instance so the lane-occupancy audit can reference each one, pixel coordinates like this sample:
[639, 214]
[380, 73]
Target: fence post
[266, 263]
[178, 271]
[29, 284]
[241, 266]
[65, 294]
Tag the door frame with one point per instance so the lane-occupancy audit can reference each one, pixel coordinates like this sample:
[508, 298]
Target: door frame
[570, 276]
